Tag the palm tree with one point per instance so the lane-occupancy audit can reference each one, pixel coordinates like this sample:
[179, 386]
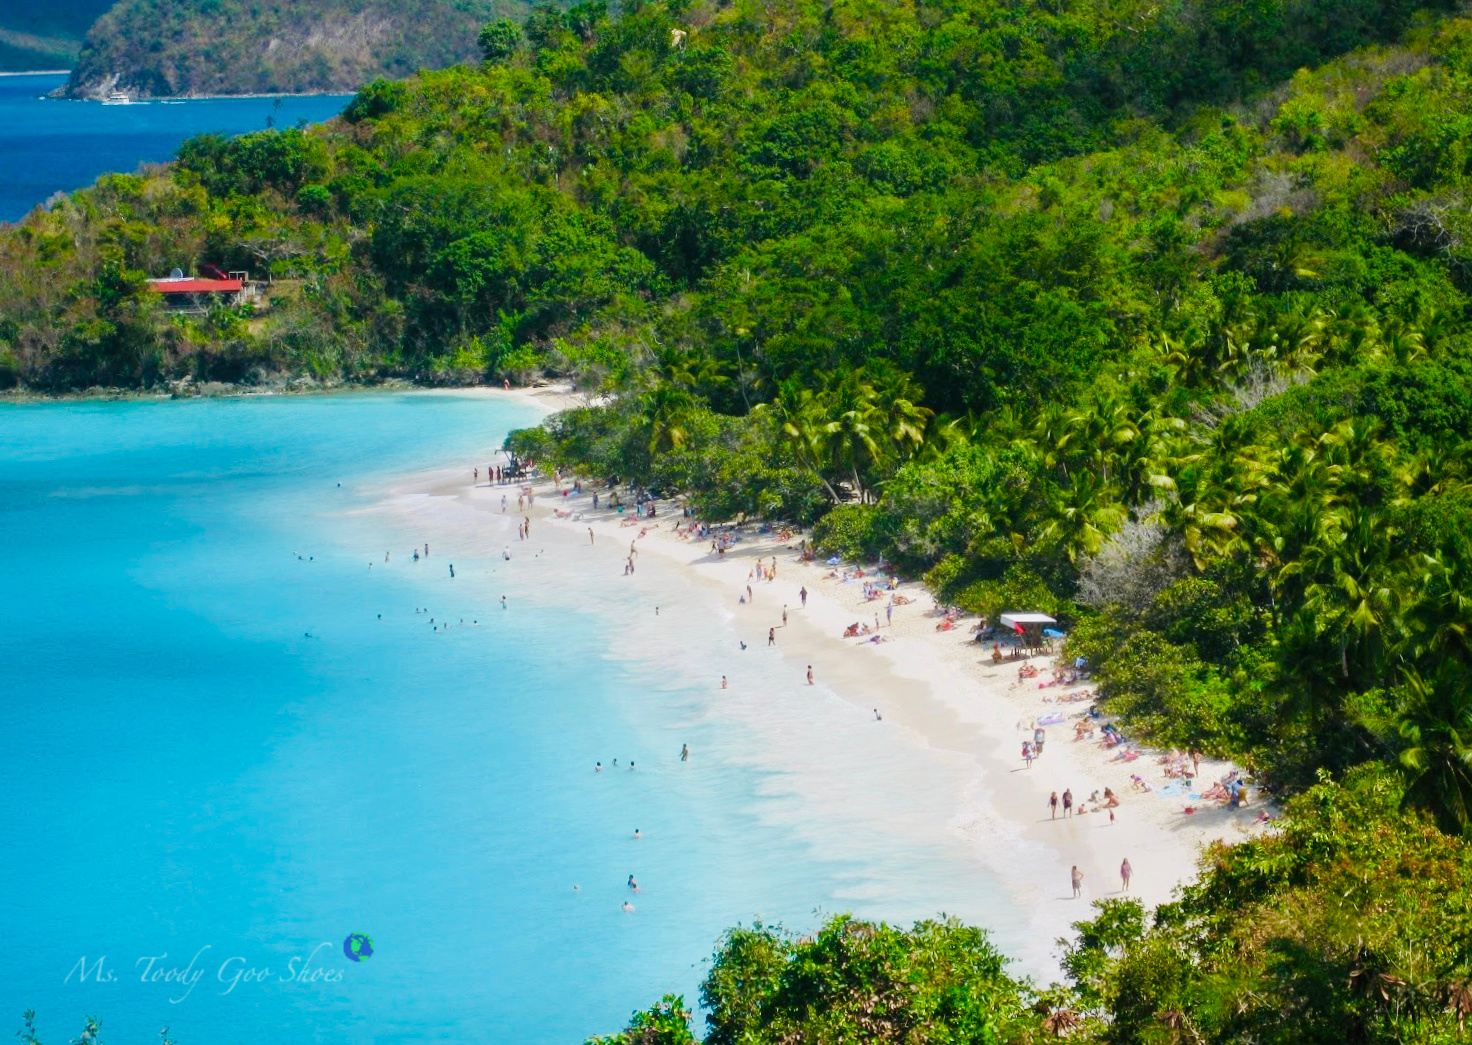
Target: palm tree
[854, 430]
[1435, 721]
[667, 408]
[1084, 514]
[799, 417]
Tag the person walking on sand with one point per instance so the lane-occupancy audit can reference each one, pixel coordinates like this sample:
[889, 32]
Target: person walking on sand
[1125, 873]
[810, 674]
[1027, 753]
[1053, 806]
[591, 538]
[1067, 802]
[1039, 736]
[803, 594]
[771, 636]
[503, 504]
[889, 612]
[784, 616]
[1077, 877]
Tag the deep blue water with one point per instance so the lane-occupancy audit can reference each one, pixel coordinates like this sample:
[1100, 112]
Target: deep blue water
[224, 735]
[51, 146]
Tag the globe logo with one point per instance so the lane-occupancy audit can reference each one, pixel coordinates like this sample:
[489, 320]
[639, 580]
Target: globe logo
[358, 947]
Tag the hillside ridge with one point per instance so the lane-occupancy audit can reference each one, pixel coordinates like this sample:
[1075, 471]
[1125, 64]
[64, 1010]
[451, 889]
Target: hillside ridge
[195, 48]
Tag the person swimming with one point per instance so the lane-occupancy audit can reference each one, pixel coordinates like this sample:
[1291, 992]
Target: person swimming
[597, 767]
[627, 906]
[638, 833]
[503, 602]
[633, 884]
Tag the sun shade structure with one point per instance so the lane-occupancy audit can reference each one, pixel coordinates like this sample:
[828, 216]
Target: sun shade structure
[1028, 626]
[1012, 620]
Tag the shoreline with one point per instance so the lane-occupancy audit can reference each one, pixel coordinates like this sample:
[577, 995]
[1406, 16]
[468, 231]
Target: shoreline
[933, 690]
[558, 394]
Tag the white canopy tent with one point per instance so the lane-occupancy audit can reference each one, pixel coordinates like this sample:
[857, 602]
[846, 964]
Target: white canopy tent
[1012, 620]
[1029, 626]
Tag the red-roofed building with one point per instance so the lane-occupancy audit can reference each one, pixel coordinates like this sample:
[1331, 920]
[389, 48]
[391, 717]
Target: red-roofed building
[197, 293]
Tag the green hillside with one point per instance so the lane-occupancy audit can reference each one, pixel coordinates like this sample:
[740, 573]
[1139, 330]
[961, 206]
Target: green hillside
[147, 48]
[37, 35]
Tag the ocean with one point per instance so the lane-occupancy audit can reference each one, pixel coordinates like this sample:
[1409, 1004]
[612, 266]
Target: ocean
[49, 146]
[239, 742]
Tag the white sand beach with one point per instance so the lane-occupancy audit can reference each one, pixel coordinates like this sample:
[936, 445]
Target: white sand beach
[937, 692]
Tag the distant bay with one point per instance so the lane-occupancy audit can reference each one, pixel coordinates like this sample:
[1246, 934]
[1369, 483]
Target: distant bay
[49, 146]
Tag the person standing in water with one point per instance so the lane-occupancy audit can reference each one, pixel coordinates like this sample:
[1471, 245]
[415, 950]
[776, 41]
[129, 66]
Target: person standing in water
[784, 616]
[810, 674]
[1053, 805]
[684, 752]
[591, 538]
[1077, 877]
[771, 636]
[803, 594]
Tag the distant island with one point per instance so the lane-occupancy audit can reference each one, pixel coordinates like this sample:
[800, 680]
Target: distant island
[194, 48]
[36, 35]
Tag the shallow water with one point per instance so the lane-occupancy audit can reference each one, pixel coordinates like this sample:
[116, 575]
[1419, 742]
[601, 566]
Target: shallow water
[49, 146]
[230, 741]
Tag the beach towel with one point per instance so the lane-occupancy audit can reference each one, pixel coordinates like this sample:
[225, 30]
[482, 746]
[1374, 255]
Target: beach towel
[1052, 718]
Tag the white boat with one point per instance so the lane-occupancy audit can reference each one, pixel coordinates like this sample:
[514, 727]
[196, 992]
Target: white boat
[117, 98]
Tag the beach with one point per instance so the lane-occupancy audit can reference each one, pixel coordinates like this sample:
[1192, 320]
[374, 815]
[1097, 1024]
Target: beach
[929, 697]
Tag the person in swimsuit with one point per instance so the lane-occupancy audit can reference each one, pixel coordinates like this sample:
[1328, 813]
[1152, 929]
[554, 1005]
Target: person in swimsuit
[1078, 881]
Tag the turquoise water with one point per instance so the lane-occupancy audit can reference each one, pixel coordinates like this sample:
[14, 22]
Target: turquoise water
[49, 146]
[215, 746]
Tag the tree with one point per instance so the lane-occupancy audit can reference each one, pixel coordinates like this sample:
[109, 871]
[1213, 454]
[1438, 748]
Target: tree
[499, 40]
[1435, 723]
